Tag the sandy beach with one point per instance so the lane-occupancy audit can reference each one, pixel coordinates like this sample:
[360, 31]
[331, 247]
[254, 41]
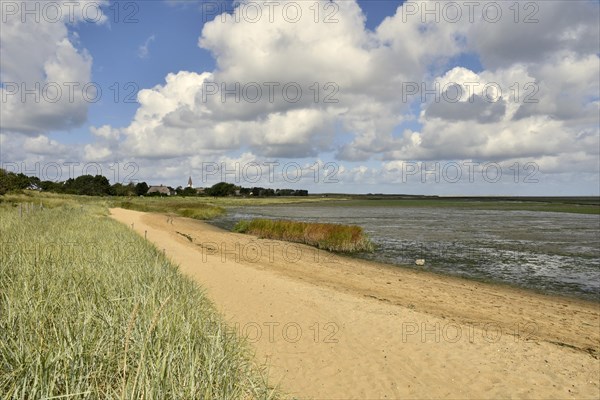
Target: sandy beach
[331, 327]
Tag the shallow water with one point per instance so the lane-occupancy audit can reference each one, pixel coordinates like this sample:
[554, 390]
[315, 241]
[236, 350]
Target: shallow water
[556, 253]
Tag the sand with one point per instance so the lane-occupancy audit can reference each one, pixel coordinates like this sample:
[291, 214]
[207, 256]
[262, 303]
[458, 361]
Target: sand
[331, 327]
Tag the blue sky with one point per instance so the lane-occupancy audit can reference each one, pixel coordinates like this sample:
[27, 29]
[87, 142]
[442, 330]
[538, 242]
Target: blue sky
[152, 61]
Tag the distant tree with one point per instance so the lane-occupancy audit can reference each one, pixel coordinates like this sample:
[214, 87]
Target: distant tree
[100, 186]
[221, 189]
[21, 181]
[285, 192]
[188, 191]
[119, 189]
[130, 189]
[116, 189]
[256, 191]
[49, 186]
[88, 185]
[82, 185]
[141, 188]
[10, 181]
[262, 192]
[4, 181]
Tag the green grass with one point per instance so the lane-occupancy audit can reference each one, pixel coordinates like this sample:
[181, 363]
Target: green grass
[90, 310]
[332, 237]
[202, 208]
[180, 206]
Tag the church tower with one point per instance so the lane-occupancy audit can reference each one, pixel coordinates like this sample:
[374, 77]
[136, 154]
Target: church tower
[189, 182]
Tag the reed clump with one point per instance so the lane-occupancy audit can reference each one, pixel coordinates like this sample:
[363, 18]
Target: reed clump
[332, 237]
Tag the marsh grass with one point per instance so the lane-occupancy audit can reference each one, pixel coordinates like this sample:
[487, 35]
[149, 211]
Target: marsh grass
[332, 237]
[203, 208]
[182, 207]
[90, 310]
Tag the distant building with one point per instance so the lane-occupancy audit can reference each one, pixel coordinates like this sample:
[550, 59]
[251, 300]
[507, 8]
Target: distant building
[159, 189]
[190, 185]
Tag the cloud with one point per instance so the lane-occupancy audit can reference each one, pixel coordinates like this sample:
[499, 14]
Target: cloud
[42, 71]
[467, 96]
[105, 132]
[144, 49]
[564, 88]
[536, 97]
[94, 152]
[541, 30]
[477, 108]
[43, 145]
[495, 130]
[277, 105]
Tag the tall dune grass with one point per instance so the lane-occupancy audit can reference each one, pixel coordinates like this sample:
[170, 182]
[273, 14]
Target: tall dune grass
[332, 237]
[28, 198]
[89, 310]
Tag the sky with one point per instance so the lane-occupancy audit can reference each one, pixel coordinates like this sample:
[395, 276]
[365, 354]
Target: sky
[419, 97]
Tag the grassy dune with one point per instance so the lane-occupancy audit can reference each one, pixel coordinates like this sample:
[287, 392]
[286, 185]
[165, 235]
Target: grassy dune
[89, 310]
[332, 237]
[25, 198]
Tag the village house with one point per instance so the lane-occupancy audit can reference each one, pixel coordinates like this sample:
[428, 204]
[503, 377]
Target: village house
[162, 190]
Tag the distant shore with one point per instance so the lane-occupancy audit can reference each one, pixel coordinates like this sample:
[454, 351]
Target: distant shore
[338, 327]
[572, 204]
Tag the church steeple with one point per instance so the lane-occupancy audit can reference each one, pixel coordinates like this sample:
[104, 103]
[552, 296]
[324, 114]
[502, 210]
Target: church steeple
[189, 182]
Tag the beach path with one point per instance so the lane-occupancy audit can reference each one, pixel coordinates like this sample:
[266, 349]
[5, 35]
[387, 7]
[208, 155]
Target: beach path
[331, 327]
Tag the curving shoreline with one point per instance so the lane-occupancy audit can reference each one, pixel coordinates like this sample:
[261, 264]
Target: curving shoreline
[371, 330]
[559, 258]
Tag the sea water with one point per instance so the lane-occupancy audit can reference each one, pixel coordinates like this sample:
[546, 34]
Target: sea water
[554, 253]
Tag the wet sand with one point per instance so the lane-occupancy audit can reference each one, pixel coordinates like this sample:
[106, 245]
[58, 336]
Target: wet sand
[331, 327]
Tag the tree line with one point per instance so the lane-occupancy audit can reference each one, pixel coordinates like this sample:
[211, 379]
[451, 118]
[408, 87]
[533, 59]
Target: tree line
[100, 186]
[223, 189]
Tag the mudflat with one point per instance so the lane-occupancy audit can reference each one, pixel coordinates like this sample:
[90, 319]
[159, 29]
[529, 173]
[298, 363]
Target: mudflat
[333, 327]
